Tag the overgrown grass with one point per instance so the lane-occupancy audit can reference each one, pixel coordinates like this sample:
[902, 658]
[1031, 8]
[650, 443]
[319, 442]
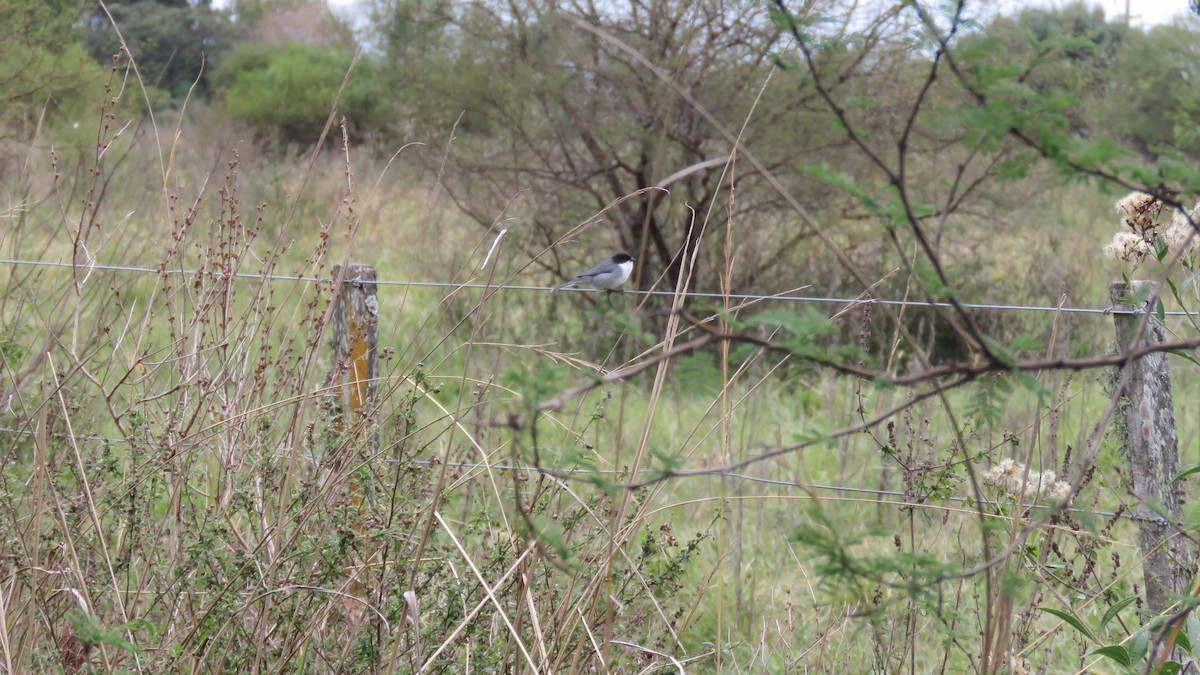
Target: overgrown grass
[181, 493]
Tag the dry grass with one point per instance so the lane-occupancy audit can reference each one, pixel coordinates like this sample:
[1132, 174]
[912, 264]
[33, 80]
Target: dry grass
[181, 495]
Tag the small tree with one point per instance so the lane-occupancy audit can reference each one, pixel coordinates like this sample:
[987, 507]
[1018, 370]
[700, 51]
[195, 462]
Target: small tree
[597, 103]
[286, 91]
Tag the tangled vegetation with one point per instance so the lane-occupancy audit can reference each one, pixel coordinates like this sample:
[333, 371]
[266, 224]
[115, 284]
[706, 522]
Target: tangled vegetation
[747, 463]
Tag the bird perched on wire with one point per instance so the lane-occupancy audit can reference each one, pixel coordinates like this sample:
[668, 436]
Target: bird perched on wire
[607, 276]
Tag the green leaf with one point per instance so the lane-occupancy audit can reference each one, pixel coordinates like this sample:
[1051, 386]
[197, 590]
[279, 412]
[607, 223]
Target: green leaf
[1160, 248]
[815, 438]
[1159, 510]
[1026, 342]
[1116, 609]
[551, 533]
[632, 324]
[1075, 622]
[1031, 384]
[804, 324]
[1191, 279]
[1191, 515]
[1186, 355]
[988, 399]
[1170, 668]
[1179, 300]
[668, 461]
[881, 384]
[1117, 653]
[697, 374]
[1183, 642]
[89, 630]
[1185, 472]
[1141, 293]
[1099, 152]
[1139, 643]
[999, 351]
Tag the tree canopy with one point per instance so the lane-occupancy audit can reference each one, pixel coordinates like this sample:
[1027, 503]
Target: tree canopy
[174, 42]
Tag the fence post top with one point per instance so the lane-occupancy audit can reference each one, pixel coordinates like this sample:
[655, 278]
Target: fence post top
[360, 275]
[1124, 288]
[1130, 298]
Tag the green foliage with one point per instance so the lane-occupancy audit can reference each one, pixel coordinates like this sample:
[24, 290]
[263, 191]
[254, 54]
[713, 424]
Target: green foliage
[1186, 471]
[175, 44]
[11, 348]
[1110, 88]
[698, 375]
[1071, 619]
[412, 28]
[536, 383]
[631, 324]
[664, 560]
[799, 327]
[1129, 652]
[549, 532]
[988, 399]
[1118, 653]
[89, 630]
[287, 91]
[1154, 102]
[43, 65]
[846, 565]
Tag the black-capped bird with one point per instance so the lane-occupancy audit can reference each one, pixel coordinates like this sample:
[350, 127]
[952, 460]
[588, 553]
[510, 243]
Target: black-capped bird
[607, 276]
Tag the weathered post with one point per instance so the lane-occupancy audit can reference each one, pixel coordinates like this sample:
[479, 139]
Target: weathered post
[355, 365]
[355, 339]
[1151, 446]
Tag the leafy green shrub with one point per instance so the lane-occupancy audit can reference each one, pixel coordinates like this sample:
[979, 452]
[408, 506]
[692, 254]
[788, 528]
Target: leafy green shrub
[288, 90]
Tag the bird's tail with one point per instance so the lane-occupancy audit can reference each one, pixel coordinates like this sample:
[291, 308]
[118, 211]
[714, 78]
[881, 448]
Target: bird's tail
[561, 286]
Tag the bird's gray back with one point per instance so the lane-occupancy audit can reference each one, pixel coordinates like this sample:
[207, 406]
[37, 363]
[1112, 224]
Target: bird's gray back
[603, 268]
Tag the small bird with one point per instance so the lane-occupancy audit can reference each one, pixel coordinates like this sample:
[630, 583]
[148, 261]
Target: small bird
[607, 276]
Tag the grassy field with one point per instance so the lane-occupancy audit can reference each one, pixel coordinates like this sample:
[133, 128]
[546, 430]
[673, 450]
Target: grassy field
[182, 494]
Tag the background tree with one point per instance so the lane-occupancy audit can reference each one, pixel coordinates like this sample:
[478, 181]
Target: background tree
[581, 120]
[1123, 82]
[584, 117]
[309, 22]
[43, 66]
[286, 90]
[173, 41]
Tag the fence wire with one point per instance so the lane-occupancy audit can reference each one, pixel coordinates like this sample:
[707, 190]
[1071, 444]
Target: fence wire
[518, 287]
[784, 296]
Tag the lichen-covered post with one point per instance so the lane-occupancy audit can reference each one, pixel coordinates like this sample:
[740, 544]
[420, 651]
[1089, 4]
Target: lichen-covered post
[355, 340]
[355, 365]
[1151, 445]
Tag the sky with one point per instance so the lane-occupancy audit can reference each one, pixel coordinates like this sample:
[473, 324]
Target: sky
[1142, 12]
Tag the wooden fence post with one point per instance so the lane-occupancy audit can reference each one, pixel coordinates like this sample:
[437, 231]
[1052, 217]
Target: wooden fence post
[355, 366]
[1151, 446]
[355, 340]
